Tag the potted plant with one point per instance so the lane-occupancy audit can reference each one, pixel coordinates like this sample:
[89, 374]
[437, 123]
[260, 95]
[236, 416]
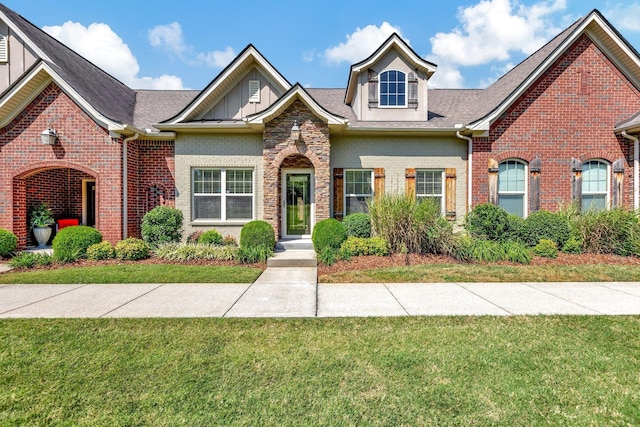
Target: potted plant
[41, 222]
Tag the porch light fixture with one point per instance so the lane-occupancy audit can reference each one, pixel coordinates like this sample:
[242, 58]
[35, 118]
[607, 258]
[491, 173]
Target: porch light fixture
[295, 131]
[48, 136]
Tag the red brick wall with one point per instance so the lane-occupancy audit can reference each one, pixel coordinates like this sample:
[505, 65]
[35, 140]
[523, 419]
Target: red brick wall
[82, 145]
[570, 111]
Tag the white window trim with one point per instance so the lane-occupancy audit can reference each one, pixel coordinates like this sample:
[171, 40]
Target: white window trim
[347, 195]
[406, 89]
[223, 195]
[607, 200]
[442, 187]
[525, 194]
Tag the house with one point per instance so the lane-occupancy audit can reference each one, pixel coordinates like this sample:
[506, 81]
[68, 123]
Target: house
[562, 125]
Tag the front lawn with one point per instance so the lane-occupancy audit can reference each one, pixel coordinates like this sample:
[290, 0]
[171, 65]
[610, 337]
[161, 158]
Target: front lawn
[136, 273]
[378, 371]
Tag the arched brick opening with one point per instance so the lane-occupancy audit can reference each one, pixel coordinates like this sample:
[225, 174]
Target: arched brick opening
[69, 191]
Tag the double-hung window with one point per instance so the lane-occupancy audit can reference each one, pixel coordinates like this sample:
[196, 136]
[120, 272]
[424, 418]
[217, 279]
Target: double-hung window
[222, 194]
[512, 187]
[393, 89]
[429, 186]
[358, 190]
[595, 185]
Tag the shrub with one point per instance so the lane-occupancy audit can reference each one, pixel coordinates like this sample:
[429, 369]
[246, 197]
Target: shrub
[546, 248]
[162, 224]
[211, 237]
[572, 246]
[328, 256]
[488, 221]
[479, 250]
[101, 251]
[193, 237]
[328, 232]
[256, 234]
[357, 225]
[195, 251]
[516, 252]
[546, 225]
[30, 260]
[132, 249]
[229, 240]
[616, 231]
[8, 242]
[253, 254]
[71, 243]
[357, 246]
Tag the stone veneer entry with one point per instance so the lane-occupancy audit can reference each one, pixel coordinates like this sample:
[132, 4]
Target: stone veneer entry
[280, 149]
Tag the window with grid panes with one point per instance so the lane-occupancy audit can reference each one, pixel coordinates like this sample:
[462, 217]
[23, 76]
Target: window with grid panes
[512, 187]
[595, 185]
[222, 194]
[429, 186]
[358, 190]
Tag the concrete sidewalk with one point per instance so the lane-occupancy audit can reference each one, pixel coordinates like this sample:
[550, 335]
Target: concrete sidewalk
[301, 297]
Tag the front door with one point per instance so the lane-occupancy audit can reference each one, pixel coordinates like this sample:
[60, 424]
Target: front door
[298, 203]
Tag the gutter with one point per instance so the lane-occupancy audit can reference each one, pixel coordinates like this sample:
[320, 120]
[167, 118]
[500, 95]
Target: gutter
[636, 168]
[470, 168]
[125, 184]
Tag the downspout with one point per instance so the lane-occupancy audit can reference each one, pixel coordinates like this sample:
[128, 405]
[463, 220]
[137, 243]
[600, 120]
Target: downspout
[470, 168]
[636, 168]
[125, 184]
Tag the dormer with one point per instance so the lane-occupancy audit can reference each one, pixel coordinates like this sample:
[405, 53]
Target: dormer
[391, 84]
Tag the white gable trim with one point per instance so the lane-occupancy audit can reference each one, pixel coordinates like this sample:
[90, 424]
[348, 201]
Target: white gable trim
[24, 38]
[249, 54]
[286, 100]
[595, 19]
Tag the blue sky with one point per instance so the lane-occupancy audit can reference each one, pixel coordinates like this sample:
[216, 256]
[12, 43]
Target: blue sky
[170, 45]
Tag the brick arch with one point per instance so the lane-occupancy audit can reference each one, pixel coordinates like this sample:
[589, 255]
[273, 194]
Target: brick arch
[515, 155]
[595, 155]
[294, 151]
[33, 168]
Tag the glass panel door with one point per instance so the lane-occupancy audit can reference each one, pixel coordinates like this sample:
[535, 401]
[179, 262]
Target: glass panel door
[298, 204]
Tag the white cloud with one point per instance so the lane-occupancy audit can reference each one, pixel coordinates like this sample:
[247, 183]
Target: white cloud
[168, 37]
[447, 75]
[492, 29]
[217, 58]
[625, 17]
[100, 45]
[360, 44]
[308, 55]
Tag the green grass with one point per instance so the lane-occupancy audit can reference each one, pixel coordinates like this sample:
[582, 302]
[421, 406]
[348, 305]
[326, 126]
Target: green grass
[515, 371]
[136, 273]
[488, 273]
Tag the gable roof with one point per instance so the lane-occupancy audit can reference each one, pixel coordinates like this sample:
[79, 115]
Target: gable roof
[393, 42]
[245, 60]
[505, 91]
[75, 74]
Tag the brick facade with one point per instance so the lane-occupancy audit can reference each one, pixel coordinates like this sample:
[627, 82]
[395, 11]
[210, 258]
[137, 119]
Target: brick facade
[569, 112]
[312, 148]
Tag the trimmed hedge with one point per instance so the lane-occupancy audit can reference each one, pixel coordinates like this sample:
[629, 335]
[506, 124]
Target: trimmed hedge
[101, 251]
[162, 224]
[8, 242]
[71, 243]
[132, 249]
[357, 225]
[256, 234]
[210, 237]
[328, 233]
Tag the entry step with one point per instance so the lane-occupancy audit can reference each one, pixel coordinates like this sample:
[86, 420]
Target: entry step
[293, 258]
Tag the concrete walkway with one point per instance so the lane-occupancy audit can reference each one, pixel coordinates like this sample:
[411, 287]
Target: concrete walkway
[270, 296]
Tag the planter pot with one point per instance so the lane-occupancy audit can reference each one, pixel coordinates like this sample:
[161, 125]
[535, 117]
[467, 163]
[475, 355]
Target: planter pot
[42, 235]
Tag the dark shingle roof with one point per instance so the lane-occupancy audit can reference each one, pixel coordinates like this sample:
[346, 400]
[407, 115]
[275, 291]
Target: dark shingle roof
[154, 106]
[106, 94]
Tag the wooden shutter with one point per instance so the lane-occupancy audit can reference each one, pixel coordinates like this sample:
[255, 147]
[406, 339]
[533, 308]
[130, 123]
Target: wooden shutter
[410, 182]
[450, 193]
[618, 182]
[373, 89]
[338, 193]
[534, 185]
[378, 182]
[412, 90]
[576, 182]
[493, 181]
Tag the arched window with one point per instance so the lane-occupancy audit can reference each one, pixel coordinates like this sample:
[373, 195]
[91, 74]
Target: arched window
[512, 187]
[595, 185]
[393, 89]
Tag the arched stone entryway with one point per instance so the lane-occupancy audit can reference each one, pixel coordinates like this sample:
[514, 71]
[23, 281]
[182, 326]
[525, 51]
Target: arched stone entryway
[70, 191]
[309, 154]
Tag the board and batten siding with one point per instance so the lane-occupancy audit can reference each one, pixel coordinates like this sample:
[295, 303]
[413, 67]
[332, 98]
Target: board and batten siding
[19, 58]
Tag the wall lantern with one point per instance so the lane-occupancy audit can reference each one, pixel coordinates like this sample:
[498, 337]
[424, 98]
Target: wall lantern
[48, 136]
[295, 131]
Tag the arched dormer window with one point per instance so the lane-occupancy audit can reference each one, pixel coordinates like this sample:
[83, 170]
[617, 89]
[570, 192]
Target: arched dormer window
[393, 89]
